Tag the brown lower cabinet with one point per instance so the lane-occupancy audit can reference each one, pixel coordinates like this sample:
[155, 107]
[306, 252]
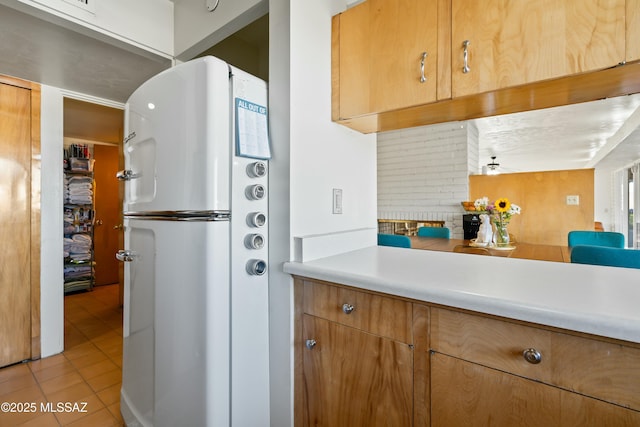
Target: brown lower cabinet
[451, 368]
[466, 394]
[354, 378]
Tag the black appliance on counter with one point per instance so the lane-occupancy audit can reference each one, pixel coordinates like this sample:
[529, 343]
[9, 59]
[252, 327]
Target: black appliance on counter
[470, 225]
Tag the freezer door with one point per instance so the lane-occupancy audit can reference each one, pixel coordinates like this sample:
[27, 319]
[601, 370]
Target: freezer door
[178, 144]
[176, 323]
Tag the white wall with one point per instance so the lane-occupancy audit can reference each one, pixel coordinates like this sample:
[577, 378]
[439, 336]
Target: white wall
[423, 172]
[117, 19]
[197, 29]
[603, 198]
[280, 291]
[51, 256]
[311, 156]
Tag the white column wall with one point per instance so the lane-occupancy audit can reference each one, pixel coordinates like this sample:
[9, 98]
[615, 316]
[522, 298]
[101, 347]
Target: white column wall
[311, 156]
[51, 254]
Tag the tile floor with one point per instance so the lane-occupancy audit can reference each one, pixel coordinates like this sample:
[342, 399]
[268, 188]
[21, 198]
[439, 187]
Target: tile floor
[88, 371]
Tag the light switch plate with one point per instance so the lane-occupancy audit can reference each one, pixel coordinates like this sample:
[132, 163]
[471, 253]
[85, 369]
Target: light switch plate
[337, 200]
[573, 200]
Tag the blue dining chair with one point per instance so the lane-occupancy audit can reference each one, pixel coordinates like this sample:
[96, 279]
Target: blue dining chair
[596, 238]
[440, 232]
[603, 255]
[396, 240]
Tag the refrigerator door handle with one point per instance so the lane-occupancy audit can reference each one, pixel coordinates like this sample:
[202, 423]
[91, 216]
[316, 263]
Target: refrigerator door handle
[126, 175]
[125, 255]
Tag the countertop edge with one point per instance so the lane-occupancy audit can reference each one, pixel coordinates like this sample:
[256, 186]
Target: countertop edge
[614, 326]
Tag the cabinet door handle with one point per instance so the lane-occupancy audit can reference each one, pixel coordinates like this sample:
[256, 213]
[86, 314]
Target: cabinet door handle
[310, 344]
[465, 47]
[532, 355]
[347, 308]
[422, 76]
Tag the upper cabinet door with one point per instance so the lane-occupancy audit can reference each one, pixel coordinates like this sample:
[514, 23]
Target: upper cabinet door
[514, 42]
[351, 41]
[404, 53]
[384, 48]
[633, 30]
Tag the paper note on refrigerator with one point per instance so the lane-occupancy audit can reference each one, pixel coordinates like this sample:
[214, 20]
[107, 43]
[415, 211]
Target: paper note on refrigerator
[252, 134]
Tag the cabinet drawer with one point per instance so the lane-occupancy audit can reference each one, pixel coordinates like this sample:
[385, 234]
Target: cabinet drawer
[600, 369]
[604, 370]
[383, 316]
[491, 342]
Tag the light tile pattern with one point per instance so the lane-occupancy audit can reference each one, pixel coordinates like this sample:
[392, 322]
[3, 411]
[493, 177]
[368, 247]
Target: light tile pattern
[88, 371]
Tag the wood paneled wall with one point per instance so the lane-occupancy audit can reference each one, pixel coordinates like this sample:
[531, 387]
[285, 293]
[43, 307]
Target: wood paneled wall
[546, 218]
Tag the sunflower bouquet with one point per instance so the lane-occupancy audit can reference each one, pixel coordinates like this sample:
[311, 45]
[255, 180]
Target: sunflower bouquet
[500, 212]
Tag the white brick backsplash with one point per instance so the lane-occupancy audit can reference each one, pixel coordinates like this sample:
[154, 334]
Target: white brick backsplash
[423, 172]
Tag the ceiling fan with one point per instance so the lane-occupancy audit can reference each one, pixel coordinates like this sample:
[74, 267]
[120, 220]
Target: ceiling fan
[492, 167]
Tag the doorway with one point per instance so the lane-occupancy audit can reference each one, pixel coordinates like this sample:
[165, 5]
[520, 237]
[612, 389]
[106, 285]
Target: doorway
[101, 128]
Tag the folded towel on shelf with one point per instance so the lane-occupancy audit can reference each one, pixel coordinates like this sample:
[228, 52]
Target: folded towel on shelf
[84, 238]
[80, 192]
[80, 180]
[82, 256]
[80, 200]
[80, 185]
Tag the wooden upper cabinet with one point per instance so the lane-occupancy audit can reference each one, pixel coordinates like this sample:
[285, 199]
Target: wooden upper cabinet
[633, 30]
[517, 42]
[404, 35]
[379, 48]
[350, 62]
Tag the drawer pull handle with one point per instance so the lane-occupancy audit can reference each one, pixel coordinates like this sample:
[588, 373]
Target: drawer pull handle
[532, 355]
[310, 344]
[347, 308]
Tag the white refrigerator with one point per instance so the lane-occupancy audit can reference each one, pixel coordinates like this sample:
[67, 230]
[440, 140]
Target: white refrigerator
[196, 324]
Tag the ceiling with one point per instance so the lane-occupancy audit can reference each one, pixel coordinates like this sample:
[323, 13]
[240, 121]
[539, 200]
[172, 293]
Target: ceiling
[602, 134]
[576, 136]
[40, 51]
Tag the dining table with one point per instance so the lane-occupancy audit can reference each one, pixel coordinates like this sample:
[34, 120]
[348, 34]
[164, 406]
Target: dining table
[535, 251]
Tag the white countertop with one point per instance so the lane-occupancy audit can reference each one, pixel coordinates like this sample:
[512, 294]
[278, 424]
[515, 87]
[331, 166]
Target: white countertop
[592, 299]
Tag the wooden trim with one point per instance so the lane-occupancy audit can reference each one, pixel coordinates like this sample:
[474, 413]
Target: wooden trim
[298, 354]
[335, 68]
[421, 366]
[616, 81]
[23, 84]
[36, 191]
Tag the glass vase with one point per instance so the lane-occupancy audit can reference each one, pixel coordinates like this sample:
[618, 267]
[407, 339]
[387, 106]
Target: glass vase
[501, 236]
